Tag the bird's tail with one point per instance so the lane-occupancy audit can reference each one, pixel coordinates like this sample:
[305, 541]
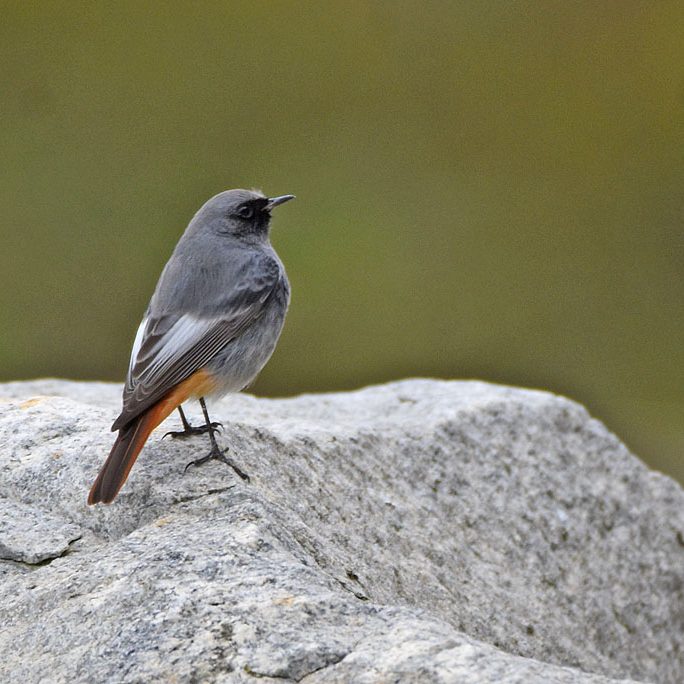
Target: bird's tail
[130, 441]
[133, 435]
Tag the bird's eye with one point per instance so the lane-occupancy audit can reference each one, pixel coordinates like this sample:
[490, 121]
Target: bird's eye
[246, 211]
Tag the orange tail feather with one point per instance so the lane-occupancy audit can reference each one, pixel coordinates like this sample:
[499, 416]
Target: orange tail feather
[127, 446]
[132, 437]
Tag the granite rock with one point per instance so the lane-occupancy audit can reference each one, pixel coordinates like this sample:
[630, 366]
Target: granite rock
[416, 531]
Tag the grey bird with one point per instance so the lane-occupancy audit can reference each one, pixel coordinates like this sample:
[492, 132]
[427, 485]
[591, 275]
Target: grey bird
[212, 324]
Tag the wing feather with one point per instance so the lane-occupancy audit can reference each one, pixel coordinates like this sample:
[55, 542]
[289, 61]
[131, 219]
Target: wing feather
[171, 347]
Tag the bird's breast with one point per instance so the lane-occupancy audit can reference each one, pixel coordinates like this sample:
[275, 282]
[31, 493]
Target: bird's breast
[241, 360]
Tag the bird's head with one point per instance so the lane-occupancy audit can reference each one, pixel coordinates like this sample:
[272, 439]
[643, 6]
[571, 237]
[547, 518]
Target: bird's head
[243, 214]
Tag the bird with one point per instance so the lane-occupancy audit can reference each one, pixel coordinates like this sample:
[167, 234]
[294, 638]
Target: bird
[211, 325]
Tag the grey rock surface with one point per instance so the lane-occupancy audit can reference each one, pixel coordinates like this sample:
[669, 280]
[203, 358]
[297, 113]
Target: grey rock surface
[411, 532]
[29, 535]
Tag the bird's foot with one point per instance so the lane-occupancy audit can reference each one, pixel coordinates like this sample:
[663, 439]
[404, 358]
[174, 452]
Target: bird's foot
[218, 455]
[190, 430]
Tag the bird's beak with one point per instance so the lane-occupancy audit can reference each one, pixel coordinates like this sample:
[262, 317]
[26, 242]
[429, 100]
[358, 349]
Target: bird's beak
[275, 201]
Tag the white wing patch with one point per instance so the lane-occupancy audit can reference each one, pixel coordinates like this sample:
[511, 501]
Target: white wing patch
[178, 339]
[136, 346]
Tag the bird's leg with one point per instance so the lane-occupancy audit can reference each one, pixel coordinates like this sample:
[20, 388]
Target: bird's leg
[186, 425]
[189, 430]
[215, 452]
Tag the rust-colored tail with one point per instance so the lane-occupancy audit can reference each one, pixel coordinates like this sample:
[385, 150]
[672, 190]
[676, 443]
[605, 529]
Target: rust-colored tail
[130, 441]
[133, 435]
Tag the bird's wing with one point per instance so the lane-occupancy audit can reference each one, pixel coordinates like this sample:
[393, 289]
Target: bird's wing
[170, 347]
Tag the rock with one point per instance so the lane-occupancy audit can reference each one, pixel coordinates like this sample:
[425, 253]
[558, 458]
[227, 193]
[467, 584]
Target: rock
[28, 535]
[417, 531]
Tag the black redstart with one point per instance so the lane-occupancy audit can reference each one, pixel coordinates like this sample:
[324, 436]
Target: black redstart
[212, 324]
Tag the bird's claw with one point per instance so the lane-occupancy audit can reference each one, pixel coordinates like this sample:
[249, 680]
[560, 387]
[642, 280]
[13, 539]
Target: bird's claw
[218, 455]
[191, 431]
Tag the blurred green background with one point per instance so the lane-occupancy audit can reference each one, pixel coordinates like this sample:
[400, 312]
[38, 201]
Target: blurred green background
[485, 189]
